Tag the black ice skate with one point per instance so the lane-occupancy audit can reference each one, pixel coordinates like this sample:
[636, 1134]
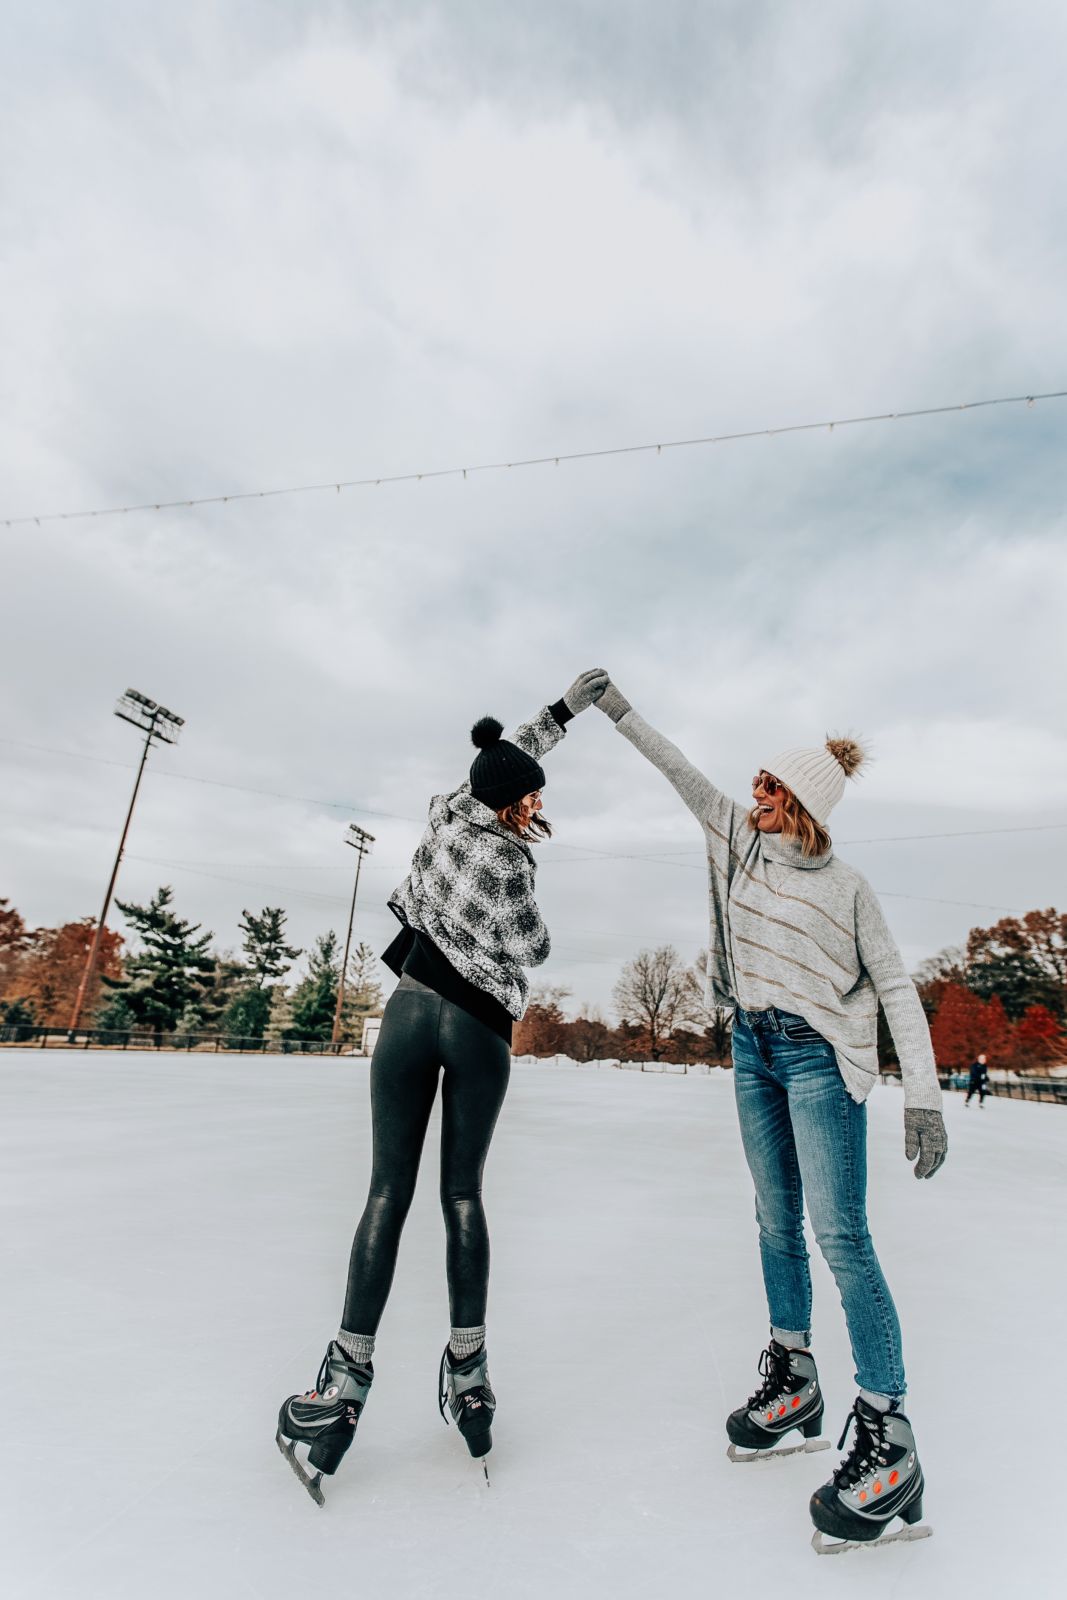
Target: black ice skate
[464, 1387]
[325, 1417]
[788, 1398]
[879, 1480]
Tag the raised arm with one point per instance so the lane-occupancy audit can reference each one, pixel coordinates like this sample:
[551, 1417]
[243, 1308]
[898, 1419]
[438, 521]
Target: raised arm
[709, 805]
[539, 735]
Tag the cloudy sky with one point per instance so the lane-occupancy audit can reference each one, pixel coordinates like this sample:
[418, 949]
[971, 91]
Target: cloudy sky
[253, 245]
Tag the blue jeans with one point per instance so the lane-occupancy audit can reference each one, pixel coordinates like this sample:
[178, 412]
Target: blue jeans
[803, 1133]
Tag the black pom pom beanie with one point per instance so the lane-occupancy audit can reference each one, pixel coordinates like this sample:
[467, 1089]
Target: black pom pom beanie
[501, 773]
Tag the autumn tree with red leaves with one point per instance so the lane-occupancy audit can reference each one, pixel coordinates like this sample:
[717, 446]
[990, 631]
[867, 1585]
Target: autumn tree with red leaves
[966, 1026]
[1038, 1038]
[52, 969]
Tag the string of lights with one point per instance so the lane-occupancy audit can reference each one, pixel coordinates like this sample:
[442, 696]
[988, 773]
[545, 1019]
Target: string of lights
[826, 425]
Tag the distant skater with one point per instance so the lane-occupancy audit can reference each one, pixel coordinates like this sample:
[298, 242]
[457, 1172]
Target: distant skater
[799, 947]
[470, 925]
[979, 1084]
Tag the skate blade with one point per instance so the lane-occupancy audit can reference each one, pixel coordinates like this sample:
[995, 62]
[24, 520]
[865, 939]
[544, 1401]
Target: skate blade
[837, 1547]
[288, 1450]
[805, 1449]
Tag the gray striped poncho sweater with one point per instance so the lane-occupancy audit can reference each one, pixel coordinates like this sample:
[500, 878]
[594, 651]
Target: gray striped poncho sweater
[804, 934]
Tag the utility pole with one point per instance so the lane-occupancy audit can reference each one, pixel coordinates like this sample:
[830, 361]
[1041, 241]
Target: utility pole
[361, 841]
[159, 725]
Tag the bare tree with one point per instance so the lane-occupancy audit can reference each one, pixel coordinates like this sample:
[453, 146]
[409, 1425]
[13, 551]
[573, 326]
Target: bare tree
[717, 1020]
[657, 990]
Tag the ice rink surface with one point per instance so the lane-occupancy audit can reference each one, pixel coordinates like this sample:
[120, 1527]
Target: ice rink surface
[175, 1239]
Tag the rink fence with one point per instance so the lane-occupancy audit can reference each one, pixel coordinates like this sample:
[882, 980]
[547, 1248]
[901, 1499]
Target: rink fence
[1013, 1086]
[147, 1039]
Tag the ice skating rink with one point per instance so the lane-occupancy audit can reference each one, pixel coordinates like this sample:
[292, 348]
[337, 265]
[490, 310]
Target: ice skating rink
[175, 1240]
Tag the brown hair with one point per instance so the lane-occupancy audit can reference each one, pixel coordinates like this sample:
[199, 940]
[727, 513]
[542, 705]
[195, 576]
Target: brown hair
[530, 826]
[797, 824]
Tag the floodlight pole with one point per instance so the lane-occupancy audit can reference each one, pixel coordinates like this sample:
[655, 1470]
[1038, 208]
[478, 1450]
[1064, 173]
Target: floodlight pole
[361, 844]
[150, 724]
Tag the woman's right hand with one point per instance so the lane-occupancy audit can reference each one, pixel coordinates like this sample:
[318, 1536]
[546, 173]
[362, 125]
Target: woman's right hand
[586, 688]
[613, 704]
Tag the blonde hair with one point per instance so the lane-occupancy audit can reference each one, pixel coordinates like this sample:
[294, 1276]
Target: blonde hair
[797, 824]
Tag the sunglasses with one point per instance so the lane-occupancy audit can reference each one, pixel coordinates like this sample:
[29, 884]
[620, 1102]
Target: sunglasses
[770, 784]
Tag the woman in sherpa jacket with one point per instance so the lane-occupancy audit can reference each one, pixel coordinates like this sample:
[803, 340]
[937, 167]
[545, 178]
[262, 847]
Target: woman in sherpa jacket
[470, 925]
[800, 949]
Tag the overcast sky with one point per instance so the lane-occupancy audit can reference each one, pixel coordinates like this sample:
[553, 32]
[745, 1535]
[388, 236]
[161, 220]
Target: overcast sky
[251, 245]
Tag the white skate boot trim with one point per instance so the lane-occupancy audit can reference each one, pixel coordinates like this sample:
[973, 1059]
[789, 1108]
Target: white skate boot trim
[825, 1546]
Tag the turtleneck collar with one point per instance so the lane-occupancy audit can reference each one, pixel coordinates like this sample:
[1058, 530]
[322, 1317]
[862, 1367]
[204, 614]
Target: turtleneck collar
[788, 853]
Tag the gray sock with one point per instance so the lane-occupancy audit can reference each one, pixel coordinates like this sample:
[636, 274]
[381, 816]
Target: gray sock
[463, 1342]
[358, 1347]
[879, 1402]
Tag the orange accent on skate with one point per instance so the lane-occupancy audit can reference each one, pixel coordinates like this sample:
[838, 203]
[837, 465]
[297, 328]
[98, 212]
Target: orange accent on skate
[863, 1495]
[770, 1416]
[878, 1488]
[893, 1477]
[796, 1402]
[781, 1411]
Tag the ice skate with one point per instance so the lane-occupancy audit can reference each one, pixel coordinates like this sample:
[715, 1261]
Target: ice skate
[789, 1398]
[324, 1418]
[879, 1481]
[464, 1388]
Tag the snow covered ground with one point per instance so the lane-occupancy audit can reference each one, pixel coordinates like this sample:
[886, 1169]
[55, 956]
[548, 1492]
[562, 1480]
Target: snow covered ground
[175, 1238]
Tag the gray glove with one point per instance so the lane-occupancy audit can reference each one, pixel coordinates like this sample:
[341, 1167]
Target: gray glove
[586, 688]
[613, 704]
[925, 1137]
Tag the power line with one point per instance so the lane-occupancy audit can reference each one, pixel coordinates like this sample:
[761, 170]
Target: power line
[667, 858]
[188, 503]
[216, 783]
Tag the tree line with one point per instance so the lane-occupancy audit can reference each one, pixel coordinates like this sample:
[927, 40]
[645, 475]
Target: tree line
[1004, 993]
[173, 983]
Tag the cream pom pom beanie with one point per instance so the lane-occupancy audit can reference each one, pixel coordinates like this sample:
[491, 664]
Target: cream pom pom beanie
[817, 777]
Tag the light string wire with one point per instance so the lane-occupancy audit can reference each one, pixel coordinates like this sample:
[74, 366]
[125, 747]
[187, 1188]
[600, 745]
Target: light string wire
[188, 503]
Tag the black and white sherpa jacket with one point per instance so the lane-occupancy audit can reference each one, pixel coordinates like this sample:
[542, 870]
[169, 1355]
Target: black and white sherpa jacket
[471, 886]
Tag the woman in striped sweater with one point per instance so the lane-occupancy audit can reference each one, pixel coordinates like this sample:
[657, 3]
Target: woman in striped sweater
[800, 950]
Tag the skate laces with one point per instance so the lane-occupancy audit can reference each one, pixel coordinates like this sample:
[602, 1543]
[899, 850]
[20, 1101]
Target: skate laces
[865, 1452]
[476, 1393]
[313, 1394]
[774, 1371]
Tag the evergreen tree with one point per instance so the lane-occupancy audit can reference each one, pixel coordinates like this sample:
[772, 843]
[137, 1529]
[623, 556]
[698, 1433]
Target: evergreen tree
[228, 980]
[114, 1018]
[18, 1014]
[171, 968]
[315, 999]
[268, 955]
[247, 1014]
[189, 1023]
[363, 992]
[243, 991]
[280, 1020]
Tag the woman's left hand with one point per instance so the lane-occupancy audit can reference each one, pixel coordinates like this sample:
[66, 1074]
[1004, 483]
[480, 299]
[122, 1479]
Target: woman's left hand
[925, 1137]
[586, 688]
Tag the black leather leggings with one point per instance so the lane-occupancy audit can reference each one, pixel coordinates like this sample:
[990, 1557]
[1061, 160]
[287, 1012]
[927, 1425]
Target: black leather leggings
[420, 1035]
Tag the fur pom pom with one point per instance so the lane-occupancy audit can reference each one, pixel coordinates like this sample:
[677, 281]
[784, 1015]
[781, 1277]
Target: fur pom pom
[851, 753]
[486, 731]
